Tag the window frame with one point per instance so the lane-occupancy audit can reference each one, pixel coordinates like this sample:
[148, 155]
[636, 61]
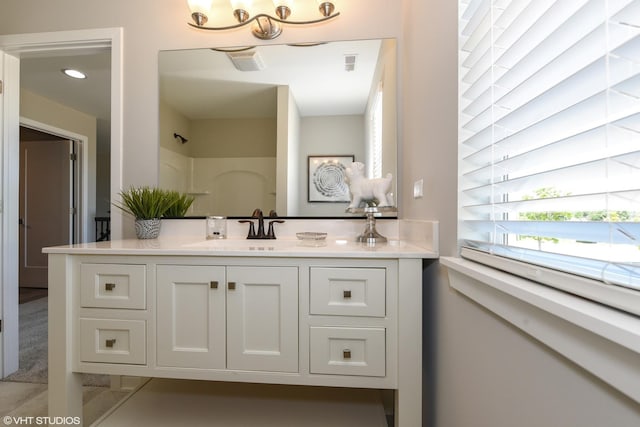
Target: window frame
[593, 281]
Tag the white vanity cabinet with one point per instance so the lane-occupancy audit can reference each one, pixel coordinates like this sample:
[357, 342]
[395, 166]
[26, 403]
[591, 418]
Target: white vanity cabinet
[112, 313]
[344, 294]
[306, 317]
[217, 317]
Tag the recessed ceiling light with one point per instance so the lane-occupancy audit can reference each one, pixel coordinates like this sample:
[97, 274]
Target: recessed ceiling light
[74, 73]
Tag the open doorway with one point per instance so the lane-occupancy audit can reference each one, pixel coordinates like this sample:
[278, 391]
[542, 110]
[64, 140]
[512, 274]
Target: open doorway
[57, 180]
[50, 193]
[14, 49]
[49, 199]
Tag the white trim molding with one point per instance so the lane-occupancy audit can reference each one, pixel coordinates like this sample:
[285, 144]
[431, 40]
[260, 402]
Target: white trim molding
[602, 340]
[86, 220]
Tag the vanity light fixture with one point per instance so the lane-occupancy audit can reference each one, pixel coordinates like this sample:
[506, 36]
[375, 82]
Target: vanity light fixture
[265, 26]
[76, 74]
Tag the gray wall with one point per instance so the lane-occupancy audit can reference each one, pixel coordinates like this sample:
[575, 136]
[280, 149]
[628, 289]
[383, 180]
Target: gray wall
[479, 370]
[328, 135]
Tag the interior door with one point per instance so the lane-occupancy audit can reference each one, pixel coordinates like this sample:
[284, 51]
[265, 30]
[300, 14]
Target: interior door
[46, 205]
[9, 136]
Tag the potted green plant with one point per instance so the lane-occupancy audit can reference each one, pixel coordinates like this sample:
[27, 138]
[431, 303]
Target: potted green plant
[181, 204]
[147, 205]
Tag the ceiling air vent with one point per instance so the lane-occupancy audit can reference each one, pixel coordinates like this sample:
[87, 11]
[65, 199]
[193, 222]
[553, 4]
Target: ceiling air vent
[246, 60]
[350, 62]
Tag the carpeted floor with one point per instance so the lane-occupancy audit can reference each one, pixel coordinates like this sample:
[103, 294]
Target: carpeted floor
[24, 393]
[30, 294]
[33, 346]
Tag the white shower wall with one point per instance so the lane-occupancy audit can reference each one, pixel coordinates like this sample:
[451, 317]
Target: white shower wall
[221, 186]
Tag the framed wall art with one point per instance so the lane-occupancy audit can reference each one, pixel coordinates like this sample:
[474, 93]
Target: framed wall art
[328, 179]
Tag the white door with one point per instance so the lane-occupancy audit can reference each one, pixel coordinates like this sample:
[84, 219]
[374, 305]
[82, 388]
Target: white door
[46, 205]
[9, 136]
[191, 316]
[262, 318]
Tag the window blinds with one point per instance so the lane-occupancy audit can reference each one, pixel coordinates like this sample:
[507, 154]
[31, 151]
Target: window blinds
[375, 135]
[549, 138]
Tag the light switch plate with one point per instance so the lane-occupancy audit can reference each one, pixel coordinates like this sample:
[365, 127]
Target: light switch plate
[417, 189]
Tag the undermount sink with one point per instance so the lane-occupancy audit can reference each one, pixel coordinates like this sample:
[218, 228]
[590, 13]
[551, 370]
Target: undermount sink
[243, 244]
[264, 244]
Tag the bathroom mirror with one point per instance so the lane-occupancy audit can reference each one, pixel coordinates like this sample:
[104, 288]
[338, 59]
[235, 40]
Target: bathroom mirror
[245, 128]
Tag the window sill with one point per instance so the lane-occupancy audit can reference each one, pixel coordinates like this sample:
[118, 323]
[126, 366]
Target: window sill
[602, 340]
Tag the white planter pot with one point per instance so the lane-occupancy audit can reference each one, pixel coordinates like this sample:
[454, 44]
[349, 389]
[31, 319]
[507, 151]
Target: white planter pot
[147, 228]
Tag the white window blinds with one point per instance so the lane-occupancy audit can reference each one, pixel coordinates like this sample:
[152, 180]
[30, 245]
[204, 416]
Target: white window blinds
[375, 135]
[549, 138]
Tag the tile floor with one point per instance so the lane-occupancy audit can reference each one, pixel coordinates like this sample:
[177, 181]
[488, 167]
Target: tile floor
[30, 400]
[22, 399]
[163, 402]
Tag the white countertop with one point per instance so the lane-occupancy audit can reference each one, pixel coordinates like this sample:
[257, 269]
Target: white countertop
[285, 247]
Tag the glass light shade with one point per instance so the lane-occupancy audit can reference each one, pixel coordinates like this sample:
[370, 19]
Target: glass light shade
[241, 5]
[287, 3]
[200, 6]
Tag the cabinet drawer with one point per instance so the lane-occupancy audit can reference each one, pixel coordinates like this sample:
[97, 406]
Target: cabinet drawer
[347, 351]
[348, 291]
[113, 341]
[113, 286]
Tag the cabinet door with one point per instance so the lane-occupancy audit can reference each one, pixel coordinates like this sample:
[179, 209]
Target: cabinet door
[191, 316]
[262, 318]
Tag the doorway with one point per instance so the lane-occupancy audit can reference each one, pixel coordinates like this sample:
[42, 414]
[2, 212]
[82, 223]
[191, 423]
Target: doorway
[12, 47]
[49, 200]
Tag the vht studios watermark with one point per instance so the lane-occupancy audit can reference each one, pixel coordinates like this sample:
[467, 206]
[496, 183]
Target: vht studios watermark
[40, 421]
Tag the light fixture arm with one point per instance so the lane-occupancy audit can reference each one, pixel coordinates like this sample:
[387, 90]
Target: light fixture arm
[264, 26]
[267, 16]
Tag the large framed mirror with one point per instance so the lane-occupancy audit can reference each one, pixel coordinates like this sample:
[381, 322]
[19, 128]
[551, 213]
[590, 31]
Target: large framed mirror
[239, 127]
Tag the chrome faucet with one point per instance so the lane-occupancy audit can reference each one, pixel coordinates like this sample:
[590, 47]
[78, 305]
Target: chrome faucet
[260, 234]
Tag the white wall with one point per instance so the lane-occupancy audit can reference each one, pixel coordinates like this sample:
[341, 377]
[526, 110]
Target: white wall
[171, 121]
[246, 137]
[289, 136]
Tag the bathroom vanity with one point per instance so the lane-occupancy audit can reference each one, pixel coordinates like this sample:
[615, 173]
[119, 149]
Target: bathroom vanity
[339, 315]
